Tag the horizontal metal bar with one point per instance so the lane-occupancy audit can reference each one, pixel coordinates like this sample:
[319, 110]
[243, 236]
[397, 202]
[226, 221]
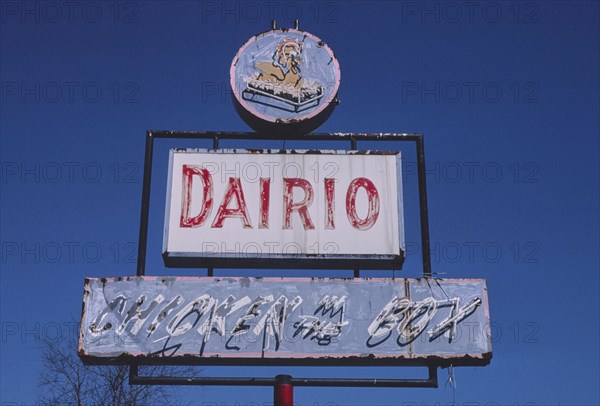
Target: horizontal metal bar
[200, 381]
[307, 137]
[430, 382]
[285, 261]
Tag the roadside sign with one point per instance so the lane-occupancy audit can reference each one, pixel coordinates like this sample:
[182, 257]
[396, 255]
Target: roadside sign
[285, 81]
[192, 320]
[284, 209]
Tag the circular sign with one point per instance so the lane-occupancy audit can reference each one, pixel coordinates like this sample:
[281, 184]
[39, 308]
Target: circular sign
[285, 81]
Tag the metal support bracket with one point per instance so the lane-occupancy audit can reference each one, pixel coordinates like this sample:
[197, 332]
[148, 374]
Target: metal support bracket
[430, 382]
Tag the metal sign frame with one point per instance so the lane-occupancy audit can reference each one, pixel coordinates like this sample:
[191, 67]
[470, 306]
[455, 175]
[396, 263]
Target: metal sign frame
[430, 382]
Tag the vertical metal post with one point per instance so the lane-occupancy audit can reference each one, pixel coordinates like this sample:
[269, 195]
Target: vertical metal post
[433, 377]
[143, 237]
[210, 270]
[144, 215]
[423, 205]
[353, 148]
[283, 391]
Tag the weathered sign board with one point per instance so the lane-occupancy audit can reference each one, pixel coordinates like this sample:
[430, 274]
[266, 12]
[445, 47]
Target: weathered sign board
[284, 209]
[263, 321]
[284, 81]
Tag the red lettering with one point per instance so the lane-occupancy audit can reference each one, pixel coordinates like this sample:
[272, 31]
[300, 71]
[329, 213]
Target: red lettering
[329, 203]
[234, 190]
[302, 207]
[265, 190]
[372, 195]
[189, 171]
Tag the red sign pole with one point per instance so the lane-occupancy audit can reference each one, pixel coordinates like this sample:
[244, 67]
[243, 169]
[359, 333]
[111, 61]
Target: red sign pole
[283, 391]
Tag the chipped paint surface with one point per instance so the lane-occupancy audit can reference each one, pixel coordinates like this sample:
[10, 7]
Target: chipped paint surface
[284, 77]
[266, 205]
[302, 320]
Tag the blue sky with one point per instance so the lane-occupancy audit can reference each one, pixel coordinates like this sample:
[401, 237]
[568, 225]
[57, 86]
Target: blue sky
[506, 93]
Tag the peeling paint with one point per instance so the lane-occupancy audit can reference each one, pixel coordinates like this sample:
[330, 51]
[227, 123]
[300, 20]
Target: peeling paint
[297, 319]
[285, 81]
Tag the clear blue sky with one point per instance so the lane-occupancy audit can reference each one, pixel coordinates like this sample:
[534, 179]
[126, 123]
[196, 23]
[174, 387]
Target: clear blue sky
[506, 93]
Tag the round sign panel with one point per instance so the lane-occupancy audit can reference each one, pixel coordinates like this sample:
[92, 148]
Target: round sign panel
[285, 81]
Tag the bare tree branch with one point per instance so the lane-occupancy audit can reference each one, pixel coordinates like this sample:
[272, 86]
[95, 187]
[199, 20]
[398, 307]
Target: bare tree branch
[64, 380]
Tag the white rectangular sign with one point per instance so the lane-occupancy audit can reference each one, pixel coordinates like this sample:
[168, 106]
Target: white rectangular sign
[284, 209]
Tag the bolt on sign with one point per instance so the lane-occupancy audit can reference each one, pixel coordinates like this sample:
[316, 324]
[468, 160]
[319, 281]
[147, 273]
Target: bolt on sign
[284, 209]
[191, 320]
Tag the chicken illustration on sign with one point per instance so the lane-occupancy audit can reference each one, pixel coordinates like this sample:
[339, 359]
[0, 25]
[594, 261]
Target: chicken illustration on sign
[285, 80]
[281, 79]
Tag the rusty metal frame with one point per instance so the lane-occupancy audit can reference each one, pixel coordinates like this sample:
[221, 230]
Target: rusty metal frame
[430, 382]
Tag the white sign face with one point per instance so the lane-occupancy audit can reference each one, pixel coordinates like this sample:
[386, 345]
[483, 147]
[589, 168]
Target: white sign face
[284, 209]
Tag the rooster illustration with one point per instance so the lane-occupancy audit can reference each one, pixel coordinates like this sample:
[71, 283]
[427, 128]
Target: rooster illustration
[285, 67]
